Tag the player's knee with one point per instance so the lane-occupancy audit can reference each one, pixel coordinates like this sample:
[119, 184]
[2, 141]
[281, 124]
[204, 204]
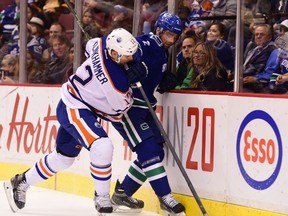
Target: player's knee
[149, 152]
[58, 162]
[101, 151]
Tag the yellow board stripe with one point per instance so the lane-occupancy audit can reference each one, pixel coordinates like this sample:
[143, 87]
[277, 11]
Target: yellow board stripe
[68, 182]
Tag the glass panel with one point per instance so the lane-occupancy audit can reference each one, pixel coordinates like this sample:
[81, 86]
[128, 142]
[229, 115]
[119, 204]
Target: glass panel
[100, 17]
[150, 11]
[112, 14]
[262, 22]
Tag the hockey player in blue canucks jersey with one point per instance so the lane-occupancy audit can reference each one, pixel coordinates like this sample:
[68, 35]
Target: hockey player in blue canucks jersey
[138, 128]
[154, 52]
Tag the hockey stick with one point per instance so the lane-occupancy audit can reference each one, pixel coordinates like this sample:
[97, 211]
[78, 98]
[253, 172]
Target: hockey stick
[158, 123]
[87, 36]
[170, 146]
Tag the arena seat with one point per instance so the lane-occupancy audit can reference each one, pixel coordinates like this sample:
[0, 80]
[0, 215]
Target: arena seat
[4, 4]
[67, 20]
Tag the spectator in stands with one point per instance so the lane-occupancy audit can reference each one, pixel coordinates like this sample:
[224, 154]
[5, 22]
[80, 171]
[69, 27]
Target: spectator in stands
[53, 9]
[89, 23]
[208, 72]
[10, 18]
[90, 3]
[3, 44]
[263, 7]
[184, 68]
[198, 8]
[256, 55]
[32, 44]
[14, 37]
[224, 8]
[283, 27]
[36, 5]
[103, 11]
[55, 29]
[121, 18]
[69, 70]
[247, 33]
[215, 35]
[33, 10]
[150, 12]
[56, 68]
[34, 68]
[30, 12]
[277, 67]
[37, 25]
[10, 64]
[201, 33]
[183, 12]
[282, 80]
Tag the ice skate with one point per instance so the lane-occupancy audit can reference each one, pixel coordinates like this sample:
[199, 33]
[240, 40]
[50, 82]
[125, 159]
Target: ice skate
[171, 206]
[123, 203]
[103, 204]
[15, 191]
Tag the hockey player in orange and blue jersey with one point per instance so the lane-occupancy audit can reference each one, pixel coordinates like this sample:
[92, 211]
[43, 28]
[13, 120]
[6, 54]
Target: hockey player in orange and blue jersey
[99, 88]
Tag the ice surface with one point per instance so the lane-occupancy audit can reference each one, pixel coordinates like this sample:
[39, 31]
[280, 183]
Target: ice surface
[44, 202]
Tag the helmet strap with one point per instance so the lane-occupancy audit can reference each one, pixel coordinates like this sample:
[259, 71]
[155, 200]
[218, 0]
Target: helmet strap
[118, 58]
[114, 56]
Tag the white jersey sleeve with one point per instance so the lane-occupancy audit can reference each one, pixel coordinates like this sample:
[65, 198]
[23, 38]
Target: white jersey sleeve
[99, 84]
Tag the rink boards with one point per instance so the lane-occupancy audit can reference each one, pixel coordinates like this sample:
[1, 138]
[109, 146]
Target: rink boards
[233, 148]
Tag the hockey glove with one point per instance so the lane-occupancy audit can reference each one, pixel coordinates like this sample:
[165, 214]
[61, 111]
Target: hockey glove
[137, 72]
[168, 82]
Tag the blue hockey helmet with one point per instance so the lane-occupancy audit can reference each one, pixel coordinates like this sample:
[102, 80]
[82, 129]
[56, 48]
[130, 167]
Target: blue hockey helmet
[169, 22]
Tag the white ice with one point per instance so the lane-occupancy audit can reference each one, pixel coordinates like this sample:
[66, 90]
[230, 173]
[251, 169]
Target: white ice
[44, 202]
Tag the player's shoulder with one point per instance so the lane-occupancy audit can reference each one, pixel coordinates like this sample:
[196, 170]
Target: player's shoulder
[149, 40]
[116, 74]
[118, 77]
[93, 43]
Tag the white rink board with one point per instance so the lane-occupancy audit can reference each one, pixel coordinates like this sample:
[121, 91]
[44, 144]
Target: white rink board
[262, 180]
[266, 176]
[178, 115]
[242, 161]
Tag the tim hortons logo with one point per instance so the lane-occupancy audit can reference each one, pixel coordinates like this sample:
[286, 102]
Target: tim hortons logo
[38, 136]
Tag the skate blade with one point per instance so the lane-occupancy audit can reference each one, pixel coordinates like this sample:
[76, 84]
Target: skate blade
[166, 213]
[125, 209]
[103, 214]
[9, 191]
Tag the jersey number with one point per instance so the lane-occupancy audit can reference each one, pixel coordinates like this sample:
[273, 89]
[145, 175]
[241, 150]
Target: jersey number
[84, 81]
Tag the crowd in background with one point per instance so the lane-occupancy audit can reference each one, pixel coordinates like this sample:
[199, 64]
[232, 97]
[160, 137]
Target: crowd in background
[205, 52]
[214, 23]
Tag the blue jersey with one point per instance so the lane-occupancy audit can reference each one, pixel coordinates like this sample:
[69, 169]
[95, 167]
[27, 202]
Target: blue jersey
[155, 56]
[9, 18]
[137, 125]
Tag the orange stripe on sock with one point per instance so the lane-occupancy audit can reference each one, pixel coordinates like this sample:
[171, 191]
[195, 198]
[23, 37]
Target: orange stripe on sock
[100, 172]
[44, 169]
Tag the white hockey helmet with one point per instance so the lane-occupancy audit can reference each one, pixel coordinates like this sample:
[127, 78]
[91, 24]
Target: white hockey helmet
[122, 42]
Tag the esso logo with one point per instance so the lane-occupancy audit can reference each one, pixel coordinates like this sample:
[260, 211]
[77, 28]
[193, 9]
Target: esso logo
[259, 150]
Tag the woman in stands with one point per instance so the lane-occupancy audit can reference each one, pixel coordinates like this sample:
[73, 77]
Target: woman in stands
[216, 36]
[208, 72]
[9, 69]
